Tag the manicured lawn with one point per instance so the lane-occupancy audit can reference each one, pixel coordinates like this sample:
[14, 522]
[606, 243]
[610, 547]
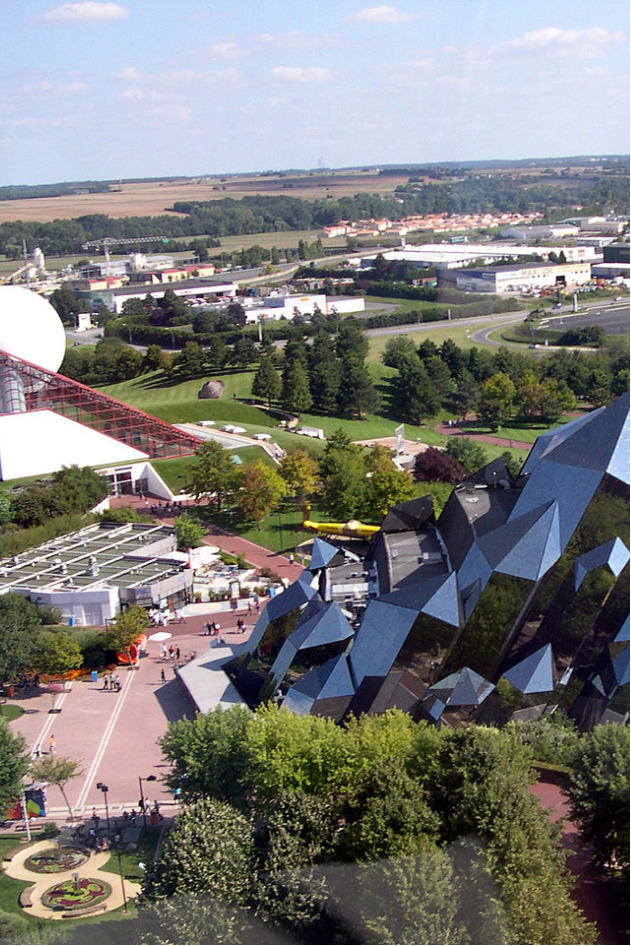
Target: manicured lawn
[9, 712]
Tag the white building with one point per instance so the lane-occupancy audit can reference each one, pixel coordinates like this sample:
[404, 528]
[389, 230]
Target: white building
[509, 278]
[451, 256]
[273, 308]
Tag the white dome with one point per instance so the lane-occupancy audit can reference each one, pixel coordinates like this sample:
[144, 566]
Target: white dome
[30, 328]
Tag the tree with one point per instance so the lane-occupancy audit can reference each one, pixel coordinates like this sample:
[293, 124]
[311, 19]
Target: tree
[397, 350]
[295, 395]
[467, 452]
[497, 400]
[189, 532]
[300, 472]
[386, 486]
[191, 360]
[435, 465]
[357, 395]
[244, 353]
[77, 489]
[127, 627]
[414, 396]
[343, 482]
[266, 383]
[6, 507]
[599, 794]
[467, 394]
[351, 343]
[324, 374]
[19, 626]
[262, 490]
[212, 473]
[57, 770]
[208, 755]
[14, 764]
[155, 359]
[57, 653]
[207, 852]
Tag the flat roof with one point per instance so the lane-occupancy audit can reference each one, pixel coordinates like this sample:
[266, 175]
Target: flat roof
[105, 554]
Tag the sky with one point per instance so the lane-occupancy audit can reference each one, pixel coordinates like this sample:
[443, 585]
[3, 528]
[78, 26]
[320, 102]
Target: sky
[94, 90]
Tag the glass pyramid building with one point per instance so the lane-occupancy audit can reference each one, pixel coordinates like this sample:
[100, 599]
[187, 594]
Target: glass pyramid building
[521, 584]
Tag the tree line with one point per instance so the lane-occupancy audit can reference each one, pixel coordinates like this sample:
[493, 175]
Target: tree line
[260, 214]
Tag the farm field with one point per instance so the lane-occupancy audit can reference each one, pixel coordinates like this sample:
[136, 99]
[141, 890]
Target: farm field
[153, 197]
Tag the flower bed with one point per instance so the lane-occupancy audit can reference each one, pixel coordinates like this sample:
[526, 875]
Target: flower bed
[71, 894]
[54, 860]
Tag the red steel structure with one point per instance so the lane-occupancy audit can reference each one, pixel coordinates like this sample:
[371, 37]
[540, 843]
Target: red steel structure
[26, 386]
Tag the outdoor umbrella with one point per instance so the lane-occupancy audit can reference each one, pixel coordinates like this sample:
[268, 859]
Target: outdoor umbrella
[160, 636]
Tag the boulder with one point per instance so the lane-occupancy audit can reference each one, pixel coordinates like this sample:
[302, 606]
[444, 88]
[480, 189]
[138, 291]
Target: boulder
[211, 388]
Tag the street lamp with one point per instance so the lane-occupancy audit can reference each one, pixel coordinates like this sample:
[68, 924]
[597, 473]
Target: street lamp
[149, 778]
[280, 532]
[120, 871]
[103, 788]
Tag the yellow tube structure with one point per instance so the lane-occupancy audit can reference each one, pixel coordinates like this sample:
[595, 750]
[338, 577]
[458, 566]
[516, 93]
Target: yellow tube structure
[352, 528]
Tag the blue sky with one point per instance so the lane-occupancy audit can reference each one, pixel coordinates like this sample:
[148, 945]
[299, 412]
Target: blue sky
[95, 90]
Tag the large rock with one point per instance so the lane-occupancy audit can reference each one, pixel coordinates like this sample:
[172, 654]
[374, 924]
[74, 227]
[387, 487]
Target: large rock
[211, 388]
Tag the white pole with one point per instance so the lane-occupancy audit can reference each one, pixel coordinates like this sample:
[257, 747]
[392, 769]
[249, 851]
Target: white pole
[25, 815]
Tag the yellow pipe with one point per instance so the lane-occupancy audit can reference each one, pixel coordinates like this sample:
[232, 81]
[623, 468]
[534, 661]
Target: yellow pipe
[341, 528]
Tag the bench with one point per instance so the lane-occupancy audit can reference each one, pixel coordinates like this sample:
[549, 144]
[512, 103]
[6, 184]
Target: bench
[84, 911]
[26, 898]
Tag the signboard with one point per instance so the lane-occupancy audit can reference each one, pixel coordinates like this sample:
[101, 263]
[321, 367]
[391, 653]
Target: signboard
[34, 803]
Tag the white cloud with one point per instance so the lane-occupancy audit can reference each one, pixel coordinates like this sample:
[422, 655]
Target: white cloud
[296, 40]
[86, 12]
[552, 38]
[300, 75]
[382, 14]
[227, 49]
[129, 74]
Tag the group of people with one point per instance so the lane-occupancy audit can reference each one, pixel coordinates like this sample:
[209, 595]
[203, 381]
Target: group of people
[111, 681]
[163, 618]
[170, 653]
[212, 629]
[166, 509]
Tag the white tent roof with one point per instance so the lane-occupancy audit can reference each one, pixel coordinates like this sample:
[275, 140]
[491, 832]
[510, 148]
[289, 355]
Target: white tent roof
[37, 442]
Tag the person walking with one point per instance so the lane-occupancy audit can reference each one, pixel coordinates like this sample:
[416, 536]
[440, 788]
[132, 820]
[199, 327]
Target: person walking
[163, 676]
[51, 745]
[177, 653]
[291, 558]
[106, 682]
[117, 683]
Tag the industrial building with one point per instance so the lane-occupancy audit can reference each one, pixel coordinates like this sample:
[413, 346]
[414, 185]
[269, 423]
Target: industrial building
[452, 256]
[273, 308]
[515, 277]
[91, 574]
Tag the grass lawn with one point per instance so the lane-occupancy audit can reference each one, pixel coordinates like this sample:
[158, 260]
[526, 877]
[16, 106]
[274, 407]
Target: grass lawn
[130, 860]
[9, 712]
[437, 332]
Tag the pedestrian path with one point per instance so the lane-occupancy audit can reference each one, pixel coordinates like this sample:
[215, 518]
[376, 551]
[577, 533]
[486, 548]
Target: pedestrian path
[445, 431]
[91, 869]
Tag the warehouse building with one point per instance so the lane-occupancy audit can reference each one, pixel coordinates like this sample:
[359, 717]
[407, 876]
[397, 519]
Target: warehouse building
[515, 277]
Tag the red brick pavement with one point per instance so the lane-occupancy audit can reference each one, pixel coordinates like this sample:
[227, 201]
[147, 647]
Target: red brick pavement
[592, 893]
[446, 431]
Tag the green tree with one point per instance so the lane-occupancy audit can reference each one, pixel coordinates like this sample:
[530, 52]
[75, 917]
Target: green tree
[467, 394]
[343, 482]
[266, 383]
[324, 374]
[295, 394]
[57, 770]
[497, 400]
[357, 395]
[189, 532]
[57, 652]
[599, 794]
[413, 395]
[191, 361]
[14, 764]
[6, 507]
[155, 358]
[244, 353]
[19, 626]
[212, 473]
[77, 489]
[386, 485]
[351, 343]
[207, 852]
[300, 472]
[262, 490]
[127, 627]
[467, 452]
[398, 350]
[208, 754]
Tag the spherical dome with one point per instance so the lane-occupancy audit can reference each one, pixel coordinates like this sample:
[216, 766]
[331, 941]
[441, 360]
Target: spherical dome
[30, 328]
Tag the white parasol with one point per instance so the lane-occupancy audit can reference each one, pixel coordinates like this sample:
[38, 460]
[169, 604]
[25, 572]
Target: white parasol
[160, 636]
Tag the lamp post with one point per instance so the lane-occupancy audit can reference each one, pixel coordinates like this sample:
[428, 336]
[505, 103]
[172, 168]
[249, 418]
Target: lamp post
[149, 778]
[280, 532]
[104, 788]
[120, 871]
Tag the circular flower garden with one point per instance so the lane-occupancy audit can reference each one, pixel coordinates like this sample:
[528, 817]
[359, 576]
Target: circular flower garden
[55, 860]
[73, 894]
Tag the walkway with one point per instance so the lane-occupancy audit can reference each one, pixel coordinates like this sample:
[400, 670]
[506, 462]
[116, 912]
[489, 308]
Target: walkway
[92, 868]
[446, 431]
[593, 893]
